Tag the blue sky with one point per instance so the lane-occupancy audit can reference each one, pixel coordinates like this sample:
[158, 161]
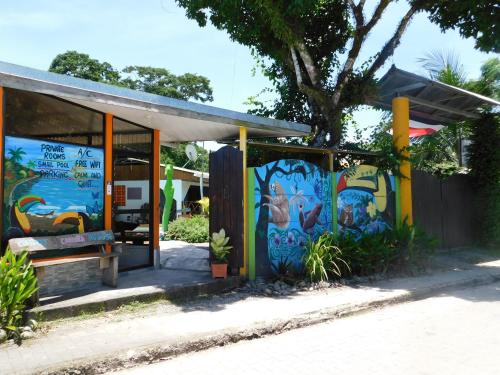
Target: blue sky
[157, 33]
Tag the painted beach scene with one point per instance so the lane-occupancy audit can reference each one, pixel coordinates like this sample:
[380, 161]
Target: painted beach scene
[51, 188]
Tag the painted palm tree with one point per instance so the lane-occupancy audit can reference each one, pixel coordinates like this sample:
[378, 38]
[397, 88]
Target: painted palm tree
[16, 155]
[31, 164]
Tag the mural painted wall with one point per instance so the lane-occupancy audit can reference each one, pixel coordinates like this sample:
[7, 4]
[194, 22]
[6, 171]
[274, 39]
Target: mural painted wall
[292, 204]
[51, 188]
[366, 200]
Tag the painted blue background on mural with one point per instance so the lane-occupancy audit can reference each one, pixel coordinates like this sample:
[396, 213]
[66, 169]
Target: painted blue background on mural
[300, 208]
[365, 200]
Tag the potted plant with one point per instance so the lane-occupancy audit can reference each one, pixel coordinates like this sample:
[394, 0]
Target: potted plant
[220, 251]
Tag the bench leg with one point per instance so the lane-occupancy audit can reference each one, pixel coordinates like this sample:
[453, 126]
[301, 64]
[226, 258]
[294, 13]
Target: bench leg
[110, 273]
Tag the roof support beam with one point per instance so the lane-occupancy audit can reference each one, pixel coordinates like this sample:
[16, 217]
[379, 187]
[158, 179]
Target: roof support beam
[443, 108]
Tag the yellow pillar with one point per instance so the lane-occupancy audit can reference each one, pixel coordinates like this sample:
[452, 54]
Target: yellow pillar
[243, 148]
[401, 139]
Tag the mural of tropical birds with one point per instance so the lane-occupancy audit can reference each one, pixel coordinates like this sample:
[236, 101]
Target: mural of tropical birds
[78, 219]
[19, 222]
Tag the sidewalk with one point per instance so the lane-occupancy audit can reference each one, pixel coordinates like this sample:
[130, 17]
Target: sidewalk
[114, 341]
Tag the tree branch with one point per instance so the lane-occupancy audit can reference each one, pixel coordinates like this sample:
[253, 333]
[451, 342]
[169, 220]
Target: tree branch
[311, 68]
[359, 37]
[296, 66]
[391, 45]
[377, 14]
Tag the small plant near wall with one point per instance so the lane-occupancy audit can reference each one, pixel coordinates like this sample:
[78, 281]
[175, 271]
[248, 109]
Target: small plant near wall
[220, 248]
[322, 259]
[17, 284]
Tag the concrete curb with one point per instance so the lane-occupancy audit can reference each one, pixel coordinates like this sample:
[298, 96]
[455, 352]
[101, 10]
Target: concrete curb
[168, 293]
[152, 354]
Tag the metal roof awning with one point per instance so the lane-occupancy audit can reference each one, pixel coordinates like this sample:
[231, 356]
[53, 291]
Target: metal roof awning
[431, 102]
[177, 120]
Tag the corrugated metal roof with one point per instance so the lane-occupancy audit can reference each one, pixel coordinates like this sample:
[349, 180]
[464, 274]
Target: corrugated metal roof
[177, 120]
[431, 101]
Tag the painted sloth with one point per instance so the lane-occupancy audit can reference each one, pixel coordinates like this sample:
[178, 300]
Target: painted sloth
[279, 206]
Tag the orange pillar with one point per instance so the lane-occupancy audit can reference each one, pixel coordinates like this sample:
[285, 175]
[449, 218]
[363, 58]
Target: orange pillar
[401, 139]
[108, 173]
[1, 155]
[155, 204]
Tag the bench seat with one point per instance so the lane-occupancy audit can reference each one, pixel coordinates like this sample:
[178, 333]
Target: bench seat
[61, 274]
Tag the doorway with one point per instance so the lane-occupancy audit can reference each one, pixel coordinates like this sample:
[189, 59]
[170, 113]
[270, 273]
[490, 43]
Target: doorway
[132, 191]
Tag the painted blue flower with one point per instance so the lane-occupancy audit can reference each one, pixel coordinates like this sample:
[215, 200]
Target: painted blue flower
[302, 241]
[277, 239]
[290, 239]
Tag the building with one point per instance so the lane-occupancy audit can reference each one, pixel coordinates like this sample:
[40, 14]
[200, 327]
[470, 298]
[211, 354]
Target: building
[67, 142]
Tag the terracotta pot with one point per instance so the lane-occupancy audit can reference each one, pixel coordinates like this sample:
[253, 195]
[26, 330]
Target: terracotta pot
[219, 270]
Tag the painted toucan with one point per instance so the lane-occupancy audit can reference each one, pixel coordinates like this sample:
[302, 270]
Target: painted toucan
[78, 219]
[18, 212]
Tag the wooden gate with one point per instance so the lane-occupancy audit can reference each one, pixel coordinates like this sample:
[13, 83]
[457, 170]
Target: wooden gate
[445, 208]
[226, 200]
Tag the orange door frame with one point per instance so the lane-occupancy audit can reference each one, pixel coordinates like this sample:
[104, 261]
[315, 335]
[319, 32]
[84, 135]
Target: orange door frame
[156, 197]
[108, 174]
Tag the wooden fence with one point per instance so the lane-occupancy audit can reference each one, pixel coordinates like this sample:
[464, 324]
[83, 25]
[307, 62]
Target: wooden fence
[445, 208]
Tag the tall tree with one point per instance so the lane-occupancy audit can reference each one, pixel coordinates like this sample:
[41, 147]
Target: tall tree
[81, 65]
[310, 51]
[158, 81]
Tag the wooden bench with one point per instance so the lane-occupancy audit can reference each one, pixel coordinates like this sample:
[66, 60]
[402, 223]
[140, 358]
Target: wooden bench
[94, 241]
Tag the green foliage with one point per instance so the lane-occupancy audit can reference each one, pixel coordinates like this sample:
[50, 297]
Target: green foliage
[285, 271]
[160, 81]
[144, 78]
[322, 259]
[484, 159]
[310, 50]
[192, 230]
[81, 65]
[478, 20]
[219, 246]
[17, 284]
[405, 249]
[177, 157]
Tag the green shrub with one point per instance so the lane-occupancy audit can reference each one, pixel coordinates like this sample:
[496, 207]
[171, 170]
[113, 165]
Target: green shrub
[322, 259]
[192, 230]
[17, 285]
[405, 249]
